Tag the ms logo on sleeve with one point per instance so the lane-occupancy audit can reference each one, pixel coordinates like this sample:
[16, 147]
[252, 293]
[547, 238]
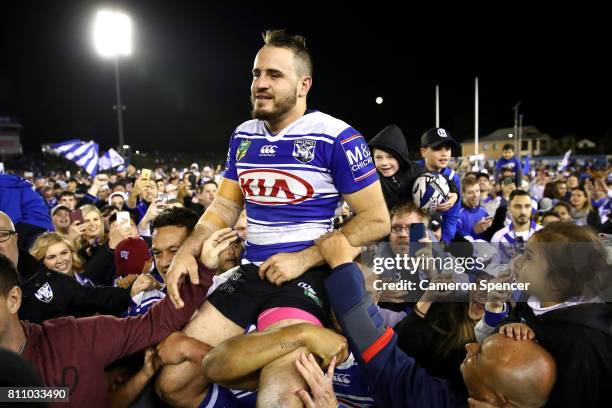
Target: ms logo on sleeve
[358, 156]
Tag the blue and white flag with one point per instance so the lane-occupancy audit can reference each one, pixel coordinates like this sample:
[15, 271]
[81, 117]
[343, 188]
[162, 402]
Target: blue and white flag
[110, 159]
[84, 154]
[565, 162]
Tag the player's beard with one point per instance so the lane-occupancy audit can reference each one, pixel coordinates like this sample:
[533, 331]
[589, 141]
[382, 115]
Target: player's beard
[279, 109]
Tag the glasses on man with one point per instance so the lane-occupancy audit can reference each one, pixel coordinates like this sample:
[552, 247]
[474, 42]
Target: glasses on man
[397, 229]
[6, 234]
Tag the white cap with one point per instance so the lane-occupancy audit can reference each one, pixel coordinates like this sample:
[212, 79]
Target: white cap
[117, 193]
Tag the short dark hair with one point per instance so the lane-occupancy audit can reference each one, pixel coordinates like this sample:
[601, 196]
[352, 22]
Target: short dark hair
[296, 43]
[66, 193]
[176, 217]
[508, 146]
[562, 204]
[468, 182]
[408, 208]
[518, 193]
[201, 188]
[72, 179]
[9, 277]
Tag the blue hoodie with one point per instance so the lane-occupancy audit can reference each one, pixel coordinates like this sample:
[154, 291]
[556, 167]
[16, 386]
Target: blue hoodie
[22, 204]
[468, 217]
[513, 163]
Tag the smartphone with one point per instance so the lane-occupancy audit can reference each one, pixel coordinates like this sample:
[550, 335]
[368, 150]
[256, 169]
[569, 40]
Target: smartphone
[145, 174]
[192, 181]
[162, 197]
[417, 232]
[76, 215]
[123, 218]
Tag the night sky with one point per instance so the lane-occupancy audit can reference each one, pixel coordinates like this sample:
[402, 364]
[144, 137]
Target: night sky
[186, 86]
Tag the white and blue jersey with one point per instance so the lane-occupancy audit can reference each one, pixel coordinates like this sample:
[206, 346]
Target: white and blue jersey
[351, 386]
[221, 397]
[292, 181]
[505, 241]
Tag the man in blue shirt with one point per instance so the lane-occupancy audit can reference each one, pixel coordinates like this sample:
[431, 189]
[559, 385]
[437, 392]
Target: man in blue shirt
[474, 219]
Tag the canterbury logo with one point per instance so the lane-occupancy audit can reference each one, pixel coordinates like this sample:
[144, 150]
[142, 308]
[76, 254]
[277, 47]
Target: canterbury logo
[342, 378]
[268, 149]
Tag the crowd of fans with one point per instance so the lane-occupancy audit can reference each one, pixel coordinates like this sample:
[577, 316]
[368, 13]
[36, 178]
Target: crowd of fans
[77, 261]
[130, 288]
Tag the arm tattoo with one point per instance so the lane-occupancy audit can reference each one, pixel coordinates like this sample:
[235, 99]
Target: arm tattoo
[290, 345]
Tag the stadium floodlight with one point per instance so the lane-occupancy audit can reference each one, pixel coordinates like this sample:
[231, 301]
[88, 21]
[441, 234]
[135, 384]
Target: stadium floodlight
[113, 39]
[113, 33]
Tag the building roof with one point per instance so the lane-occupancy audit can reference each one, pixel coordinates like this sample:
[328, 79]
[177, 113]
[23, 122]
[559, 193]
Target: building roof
[6, 122]
[501, 135]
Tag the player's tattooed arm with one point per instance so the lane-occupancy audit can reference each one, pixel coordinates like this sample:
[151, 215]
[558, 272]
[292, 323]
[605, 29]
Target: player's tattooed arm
[291, 344]
[226, 362]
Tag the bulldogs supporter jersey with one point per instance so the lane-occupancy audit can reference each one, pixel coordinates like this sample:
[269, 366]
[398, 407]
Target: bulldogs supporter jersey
[292, 181]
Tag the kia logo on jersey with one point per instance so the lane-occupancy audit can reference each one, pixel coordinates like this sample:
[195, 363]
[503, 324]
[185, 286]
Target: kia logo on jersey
[274, 187]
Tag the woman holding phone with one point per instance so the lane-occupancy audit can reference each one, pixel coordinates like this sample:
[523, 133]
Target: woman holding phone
[98, 248]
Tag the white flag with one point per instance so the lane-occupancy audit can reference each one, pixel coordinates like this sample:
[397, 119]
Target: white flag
[110, 159]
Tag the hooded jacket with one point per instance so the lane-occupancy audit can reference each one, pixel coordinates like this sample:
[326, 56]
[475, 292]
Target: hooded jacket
[21, 203]
[580, 339]
[24, 207]
[397, 189]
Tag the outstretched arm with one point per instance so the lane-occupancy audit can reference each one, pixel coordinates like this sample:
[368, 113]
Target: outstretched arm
[222, 213]
[396, 380]
[227, 361]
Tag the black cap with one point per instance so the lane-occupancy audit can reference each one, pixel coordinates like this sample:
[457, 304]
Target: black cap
[435, 137]
[508, 180]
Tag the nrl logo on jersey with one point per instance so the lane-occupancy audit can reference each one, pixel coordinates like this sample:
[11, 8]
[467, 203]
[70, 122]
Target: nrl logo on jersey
[242, 149]
[45, 293]
[304, 150]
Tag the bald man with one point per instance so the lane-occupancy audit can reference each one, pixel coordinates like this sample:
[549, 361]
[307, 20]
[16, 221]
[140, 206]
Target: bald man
[500, 372]
[503, 371]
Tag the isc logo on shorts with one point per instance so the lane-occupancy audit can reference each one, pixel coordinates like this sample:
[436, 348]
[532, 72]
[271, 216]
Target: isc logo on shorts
[274, 187]
[310, 293]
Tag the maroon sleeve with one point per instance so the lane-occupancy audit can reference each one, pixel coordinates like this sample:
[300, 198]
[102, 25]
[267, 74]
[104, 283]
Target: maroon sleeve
[111, 338]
